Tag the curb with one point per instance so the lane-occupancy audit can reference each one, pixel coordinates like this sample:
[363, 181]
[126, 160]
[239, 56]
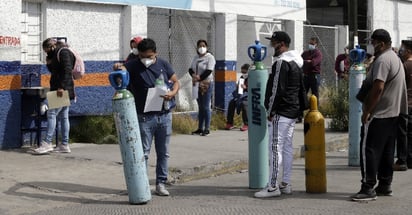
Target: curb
[178, 176]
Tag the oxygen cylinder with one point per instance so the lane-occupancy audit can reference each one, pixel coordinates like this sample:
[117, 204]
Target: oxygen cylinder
[356, 76]
[315, 158]
[258, 131]
[128, 132]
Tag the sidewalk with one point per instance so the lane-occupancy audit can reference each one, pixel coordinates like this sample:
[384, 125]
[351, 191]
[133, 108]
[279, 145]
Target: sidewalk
[30, 183]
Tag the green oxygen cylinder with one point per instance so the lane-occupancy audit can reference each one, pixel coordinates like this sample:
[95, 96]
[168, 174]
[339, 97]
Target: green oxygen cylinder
[258, 130]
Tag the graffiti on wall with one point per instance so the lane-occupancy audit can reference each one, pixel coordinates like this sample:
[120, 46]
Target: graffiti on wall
[9, 41]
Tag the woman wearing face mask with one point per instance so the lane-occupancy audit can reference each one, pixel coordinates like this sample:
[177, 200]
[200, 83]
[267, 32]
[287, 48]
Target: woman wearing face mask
[61, 79]
[134, 53]
[201, 71]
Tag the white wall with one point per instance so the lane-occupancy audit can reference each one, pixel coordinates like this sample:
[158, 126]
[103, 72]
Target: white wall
[94, 30]
[9, 27]
[393, 16]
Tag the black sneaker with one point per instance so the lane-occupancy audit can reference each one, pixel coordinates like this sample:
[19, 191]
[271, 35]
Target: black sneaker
[364, 195]
[383, 190]
[399, 167]
[205, 133]
[197, 132]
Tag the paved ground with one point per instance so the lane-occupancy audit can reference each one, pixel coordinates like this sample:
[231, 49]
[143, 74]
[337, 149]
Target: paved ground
[208, 175]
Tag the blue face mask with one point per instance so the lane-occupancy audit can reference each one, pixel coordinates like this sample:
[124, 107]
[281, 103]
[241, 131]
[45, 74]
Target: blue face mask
[311, 47]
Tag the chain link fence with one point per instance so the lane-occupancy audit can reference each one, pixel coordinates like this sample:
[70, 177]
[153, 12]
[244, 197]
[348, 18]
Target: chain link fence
[176, 33]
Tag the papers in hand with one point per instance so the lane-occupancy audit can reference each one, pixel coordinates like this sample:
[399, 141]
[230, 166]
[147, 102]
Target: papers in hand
[240, 88]
[154, 101]
[57, 102]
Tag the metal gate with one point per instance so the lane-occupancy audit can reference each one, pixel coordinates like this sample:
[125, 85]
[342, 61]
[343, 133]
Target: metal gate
[327, 37]
[176, 33]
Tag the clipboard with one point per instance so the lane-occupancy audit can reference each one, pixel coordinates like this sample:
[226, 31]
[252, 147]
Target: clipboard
[57, 102]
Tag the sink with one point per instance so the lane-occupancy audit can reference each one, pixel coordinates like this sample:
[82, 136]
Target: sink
[35, 91]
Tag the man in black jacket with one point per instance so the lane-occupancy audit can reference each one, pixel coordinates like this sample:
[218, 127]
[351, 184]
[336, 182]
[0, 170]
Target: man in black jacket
[60, 62]
[283, 107]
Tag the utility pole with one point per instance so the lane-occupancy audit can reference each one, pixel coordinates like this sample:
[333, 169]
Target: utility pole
[353, 22]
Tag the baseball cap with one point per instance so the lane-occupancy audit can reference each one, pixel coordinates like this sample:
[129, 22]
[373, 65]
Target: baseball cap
[280, 36]
[381, 35]
[136, 39]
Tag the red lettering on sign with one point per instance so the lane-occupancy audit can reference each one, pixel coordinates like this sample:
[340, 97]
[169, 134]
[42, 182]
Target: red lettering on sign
[9, 41]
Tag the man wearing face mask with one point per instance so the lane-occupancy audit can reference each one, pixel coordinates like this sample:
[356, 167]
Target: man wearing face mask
[154, 124]
[283, 107]
[342, 64]
[404, 141]
[312, 59]
[134, 52]
[385, 101]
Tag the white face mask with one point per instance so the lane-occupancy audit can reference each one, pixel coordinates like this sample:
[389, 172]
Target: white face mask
[135, 51]
[370, 49]
[147, 61]
[311, 47]
[202, 50]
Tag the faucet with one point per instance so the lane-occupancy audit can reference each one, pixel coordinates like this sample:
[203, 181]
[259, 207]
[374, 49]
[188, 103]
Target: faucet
[29, 80]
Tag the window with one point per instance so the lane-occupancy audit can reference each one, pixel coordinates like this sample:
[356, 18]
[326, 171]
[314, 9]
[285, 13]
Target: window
[31, 32]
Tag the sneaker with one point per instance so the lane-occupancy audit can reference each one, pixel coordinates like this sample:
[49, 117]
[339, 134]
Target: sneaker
[205, 132]
[198, 132]
[364, 195]
[161, 190]
[44, 148]
[229, 126]
[244, 128]
[285, 188]
[62, 149]
[268, 192]
[399, 167]
[383, 190]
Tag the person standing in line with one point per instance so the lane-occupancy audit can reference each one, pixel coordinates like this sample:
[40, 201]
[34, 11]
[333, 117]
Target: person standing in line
[134, 52]
[201, 71]
[312, 59]
[153, 124]
[61, 80]
[385, 101]
[342, 64]
[239, 101]
[404, 141]
[283, 107]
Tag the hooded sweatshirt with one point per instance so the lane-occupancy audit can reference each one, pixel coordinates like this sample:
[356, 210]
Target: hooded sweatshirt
[284, 83]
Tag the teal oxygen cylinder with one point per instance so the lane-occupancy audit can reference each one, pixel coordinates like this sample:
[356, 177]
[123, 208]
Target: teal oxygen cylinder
[131, 149]
[258, 130]
[356, 75]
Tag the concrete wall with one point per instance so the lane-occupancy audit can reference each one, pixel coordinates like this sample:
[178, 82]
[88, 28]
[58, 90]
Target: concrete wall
[100, 33]
[393, 16]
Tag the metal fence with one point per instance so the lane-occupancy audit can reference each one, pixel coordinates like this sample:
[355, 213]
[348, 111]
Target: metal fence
[176, 33]
[328, 46]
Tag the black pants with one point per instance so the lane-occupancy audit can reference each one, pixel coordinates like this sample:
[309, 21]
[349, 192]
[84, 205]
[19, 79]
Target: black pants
[404, 140]
[312, 83]
[377, 151]
[231, 111]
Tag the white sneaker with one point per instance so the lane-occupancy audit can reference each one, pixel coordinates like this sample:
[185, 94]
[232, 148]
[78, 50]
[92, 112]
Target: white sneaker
[268, 192]
[44, 148]
[161, 190]
[62, 149]
[285, 188]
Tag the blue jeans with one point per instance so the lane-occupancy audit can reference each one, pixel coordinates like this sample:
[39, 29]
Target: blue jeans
[205, 113]
[61, 114]
[158, 126]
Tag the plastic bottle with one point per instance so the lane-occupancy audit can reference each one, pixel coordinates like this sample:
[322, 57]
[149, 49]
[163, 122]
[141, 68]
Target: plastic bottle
[160, 82]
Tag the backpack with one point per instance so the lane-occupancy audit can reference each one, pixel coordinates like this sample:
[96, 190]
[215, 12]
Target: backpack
[78, 68]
